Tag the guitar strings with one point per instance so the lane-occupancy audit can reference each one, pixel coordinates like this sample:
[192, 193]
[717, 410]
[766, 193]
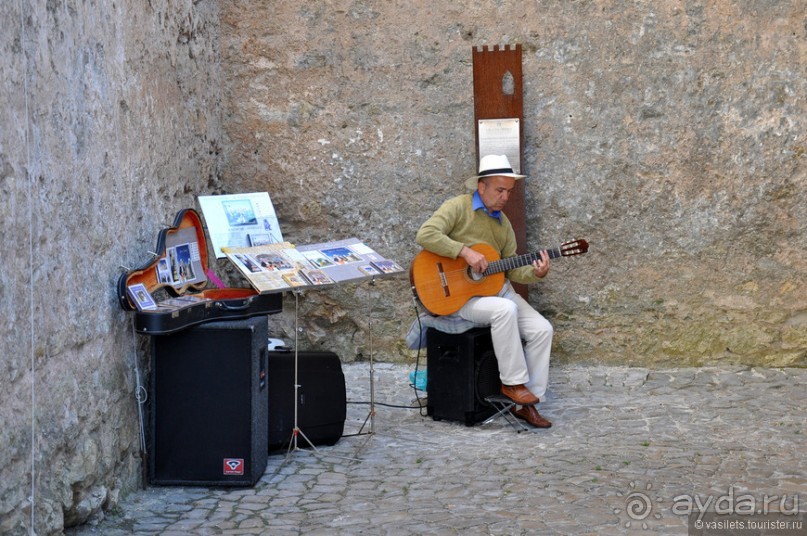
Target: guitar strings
[496, 264]
[436, 283]
[450, 276]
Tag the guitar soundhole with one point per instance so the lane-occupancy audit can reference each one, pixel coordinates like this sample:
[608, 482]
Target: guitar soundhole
[473, 276]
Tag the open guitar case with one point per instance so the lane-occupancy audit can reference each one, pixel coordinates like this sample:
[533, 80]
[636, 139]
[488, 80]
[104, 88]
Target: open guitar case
[179, 272]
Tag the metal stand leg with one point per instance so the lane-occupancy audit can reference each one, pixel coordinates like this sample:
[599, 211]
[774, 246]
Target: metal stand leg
[503, 406]
[371, 414]
[296, 430]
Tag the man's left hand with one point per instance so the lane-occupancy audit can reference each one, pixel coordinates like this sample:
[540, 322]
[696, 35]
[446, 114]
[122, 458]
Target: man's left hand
[540, 266]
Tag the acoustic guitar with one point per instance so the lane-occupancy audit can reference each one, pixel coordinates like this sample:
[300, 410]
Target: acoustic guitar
[443, 285]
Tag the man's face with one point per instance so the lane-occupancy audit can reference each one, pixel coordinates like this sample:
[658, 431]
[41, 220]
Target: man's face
[495, 191]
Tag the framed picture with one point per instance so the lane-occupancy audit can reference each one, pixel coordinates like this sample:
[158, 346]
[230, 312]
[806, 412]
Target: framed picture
[142, 297]
[317, 277]
[387, 267]
[295, 280]
[260, 239]
[367, 269]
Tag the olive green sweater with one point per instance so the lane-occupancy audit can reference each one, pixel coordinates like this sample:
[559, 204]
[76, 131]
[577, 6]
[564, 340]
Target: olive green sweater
[455, 224]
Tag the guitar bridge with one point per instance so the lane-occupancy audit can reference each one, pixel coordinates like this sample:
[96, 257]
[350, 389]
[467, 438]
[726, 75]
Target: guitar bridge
[443, 280]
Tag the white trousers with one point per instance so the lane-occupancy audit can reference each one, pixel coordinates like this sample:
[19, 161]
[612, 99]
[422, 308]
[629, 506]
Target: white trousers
[512, 320]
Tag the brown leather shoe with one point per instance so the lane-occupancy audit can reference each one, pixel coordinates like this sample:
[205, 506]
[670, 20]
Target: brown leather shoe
[519, 394]
[531, 415]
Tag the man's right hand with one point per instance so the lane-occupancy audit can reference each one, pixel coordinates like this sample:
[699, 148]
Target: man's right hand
[475, 260]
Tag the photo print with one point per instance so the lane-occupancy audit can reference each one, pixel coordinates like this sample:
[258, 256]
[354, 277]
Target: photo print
[341, 255]
[141, 296]
[239, 212]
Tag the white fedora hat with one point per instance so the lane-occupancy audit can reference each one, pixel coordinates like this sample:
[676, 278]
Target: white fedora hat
[492, 165]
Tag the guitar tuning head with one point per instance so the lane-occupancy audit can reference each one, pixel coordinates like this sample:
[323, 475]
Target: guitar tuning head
[577, 246]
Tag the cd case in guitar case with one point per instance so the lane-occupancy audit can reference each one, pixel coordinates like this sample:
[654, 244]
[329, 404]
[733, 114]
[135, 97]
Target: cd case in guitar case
[169, 292]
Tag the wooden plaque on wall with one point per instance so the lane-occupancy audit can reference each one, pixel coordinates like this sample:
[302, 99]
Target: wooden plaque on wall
[498, 95]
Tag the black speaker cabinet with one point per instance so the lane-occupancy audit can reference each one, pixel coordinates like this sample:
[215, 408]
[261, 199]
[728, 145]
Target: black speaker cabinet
[209, 404]
[461, 371]
[322, 403]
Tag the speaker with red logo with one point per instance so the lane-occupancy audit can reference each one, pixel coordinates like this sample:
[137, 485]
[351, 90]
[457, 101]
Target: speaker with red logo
[461, 370]
[209, 405]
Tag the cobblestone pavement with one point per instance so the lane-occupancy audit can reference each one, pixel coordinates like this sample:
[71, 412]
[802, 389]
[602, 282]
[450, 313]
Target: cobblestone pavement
[631, 451]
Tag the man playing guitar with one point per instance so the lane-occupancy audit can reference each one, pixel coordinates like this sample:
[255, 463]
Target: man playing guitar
[477, 218]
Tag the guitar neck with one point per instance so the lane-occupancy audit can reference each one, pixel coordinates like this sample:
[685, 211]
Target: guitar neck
[510, 263]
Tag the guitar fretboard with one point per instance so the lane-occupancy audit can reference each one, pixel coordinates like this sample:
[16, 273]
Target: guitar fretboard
[502, 265]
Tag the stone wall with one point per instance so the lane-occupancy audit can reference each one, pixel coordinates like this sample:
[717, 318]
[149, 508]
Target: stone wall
[670, 135]
[111, 123]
